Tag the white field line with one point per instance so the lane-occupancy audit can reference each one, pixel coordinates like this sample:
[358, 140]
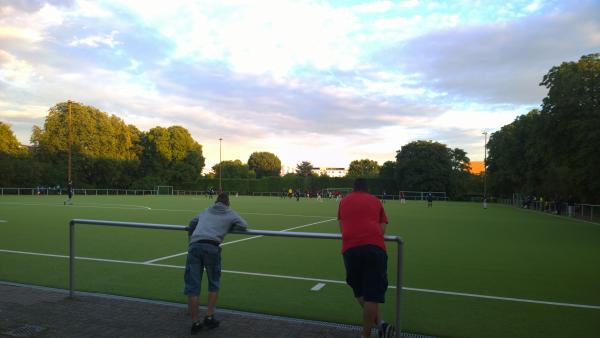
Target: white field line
[317, 287]
[115, 205]
[3, 221]
[452, 293]
[243, 213]
[136, 207]
[82, 205]
[237, 241]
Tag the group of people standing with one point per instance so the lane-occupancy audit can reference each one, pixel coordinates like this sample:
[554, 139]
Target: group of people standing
[362, 221]
[556, 205]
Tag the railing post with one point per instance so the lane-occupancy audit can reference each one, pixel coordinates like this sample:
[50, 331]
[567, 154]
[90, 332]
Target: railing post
[398, 285]
[71, 259]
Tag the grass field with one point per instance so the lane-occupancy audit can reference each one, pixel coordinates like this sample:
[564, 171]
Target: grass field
[541, 271]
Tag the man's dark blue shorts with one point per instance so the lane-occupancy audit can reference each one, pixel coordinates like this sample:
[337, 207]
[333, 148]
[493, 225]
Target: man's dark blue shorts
[202, 257]
[366, 272]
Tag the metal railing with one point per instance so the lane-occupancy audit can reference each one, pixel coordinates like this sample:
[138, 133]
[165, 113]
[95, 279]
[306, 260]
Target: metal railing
[398, 240]
[577, 210]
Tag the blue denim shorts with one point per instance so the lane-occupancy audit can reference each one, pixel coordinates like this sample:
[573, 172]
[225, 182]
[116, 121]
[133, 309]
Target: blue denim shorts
[202, 256]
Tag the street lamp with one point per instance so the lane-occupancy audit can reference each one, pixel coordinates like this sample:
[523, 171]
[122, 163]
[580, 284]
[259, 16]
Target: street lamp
[70, 141]
[484, 169]
[220, 167]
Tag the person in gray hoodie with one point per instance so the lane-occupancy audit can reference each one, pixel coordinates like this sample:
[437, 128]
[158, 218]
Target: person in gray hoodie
[206, 233]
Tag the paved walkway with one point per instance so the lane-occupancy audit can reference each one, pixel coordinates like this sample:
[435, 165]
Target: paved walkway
[25, 309]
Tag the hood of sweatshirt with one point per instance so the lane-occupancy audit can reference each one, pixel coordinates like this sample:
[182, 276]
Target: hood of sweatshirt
[219, 209]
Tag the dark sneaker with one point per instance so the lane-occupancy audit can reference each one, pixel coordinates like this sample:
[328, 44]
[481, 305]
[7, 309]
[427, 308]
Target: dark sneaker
[386, 330]
[196, 327]
[211, 322]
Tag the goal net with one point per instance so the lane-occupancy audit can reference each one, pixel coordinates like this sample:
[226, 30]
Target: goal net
[422, 195]
[334, 192]
[164, 189]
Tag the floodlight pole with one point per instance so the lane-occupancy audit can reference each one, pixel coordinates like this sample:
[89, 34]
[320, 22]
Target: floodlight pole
[220, 167]
[70, 141]
[484, 166]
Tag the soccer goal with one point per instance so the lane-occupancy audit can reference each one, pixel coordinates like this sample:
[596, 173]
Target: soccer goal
[422, 195]
[334, 192]
[164, 189]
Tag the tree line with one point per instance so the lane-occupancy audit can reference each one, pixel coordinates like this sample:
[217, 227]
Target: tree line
[108, 153]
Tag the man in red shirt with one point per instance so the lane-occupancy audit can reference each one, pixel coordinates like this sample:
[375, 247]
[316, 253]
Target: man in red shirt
[362, 224]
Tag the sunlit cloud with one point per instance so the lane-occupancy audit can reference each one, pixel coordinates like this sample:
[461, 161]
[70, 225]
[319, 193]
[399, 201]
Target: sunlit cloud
[97, 40]
[14, 71]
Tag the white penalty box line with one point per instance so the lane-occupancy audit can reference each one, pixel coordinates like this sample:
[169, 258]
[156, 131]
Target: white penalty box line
[319, 280]
[240, 240]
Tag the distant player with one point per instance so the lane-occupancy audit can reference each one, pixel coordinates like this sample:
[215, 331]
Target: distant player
[69, 201]
[402, 199]
[429, 200]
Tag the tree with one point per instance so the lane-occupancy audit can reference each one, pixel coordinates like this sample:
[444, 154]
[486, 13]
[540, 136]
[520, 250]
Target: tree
[304, 168]
[514, 163]
[264, 164]
[231, 169]
[171, 155]
[571, 116]
[9, 144]
[460, 176]
[15, 164]
[363, 168]
[553, 152]
[459, 160]
[388, 170]
[101, 145]
[424, 165]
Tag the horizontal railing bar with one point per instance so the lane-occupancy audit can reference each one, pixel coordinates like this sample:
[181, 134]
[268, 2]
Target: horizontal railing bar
[129, 224]
[240, 232]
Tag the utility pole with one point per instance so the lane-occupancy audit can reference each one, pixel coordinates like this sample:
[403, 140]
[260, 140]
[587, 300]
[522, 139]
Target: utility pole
[70, 140]
[220, 167]
[485, 169]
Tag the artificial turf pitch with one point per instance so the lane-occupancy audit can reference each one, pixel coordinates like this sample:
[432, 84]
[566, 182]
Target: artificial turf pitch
[545, 270]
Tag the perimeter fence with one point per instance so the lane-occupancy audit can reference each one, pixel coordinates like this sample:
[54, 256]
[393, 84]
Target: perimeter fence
[47, 191]
[589, 212]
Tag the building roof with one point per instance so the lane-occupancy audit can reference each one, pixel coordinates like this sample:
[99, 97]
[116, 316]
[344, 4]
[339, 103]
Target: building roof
[476, 167]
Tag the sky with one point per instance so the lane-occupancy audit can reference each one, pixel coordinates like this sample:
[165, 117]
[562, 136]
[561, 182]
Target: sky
[327, 82]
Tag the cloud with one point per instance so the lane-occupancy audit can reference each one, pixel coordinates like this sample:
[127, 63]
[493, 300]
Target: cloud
[14, 71]
[373, 7]
[97, 40]
[257, 38]
[33, 5]
[499, 62]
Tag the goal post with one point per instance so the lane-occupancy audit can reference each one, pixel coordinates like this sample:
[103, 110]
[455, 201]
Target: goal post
[164, 190]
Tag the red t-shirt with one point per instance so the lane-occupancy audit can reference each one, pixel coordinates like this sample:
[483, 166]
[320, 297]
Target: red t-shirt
[361, 215]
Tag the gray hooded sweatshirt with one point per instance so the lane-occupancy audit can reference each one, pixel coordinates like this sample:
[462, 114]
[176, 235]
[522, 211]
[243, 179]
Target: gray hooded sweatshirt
[214, 222]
